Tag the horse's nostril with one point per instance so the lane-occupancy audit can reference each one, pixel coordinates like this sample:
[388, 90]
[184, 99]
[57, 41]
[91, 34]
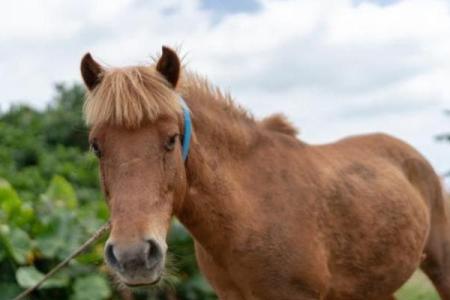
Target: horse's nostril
[153, 254]
[111, 257]
[132, 258]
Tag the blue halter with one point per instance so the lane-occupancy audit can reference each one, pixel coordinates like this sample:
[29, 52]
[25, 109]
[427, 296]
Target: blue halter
[187, 129]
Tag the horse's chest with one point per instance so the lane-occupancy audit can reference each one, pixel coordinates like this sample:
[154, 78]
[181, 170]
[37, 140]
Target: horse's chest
[256, 263]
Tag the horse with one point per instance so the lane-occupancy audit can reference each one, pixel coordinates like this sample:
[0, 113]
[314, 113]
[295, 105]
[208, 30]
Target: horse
[272, 217]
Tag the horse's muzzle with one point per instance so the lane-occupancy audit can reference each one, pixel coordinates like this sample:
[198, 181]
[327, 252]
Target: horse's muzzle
[136, 264]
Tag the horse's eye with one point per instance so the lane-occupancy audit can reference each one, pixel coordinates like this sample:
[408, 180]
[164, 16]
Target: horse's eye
[96, 149]
[170, 143]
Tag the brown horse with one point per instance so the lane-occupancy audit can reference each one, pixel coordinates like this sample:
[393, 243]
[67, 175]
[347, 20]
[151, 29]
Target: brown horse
[272, 217]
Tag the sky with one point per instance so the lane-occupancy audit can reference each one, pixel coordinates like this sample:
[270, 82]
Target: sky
[335, 68]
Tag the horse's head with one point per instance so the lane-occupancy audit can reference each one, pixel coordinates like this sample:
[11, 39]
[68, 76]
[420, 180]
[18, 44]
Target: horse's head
[136, 123]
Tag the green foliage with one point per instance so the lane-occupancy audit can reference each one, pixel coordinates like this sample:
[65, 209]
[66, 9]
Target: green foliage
[91, 287]
[50, 203]
[36, 235]
[29, 276]
[418, 287]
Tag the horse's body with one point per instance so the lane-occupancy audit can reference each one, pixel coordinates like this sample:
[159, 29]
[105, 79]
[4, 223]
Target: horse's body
[348, 220]
[273, 217]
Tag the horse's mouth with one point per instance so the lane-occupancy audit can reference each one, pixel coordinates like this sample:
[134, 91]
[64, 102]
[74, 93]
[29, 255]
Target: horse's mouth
[143, 284]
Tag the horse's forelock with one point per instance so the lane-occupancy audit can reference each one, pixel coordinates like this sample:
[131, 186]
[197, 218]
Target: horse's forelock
[130, 96]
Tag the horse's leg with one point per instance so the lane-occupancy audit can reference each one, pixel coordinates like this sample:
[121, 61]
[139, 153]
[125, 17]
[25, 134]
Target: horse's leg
[436, 263]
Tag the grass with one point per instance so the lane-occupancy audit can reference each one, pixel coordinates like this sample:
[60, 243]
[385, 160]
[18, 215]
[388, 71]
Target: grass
[418, 287]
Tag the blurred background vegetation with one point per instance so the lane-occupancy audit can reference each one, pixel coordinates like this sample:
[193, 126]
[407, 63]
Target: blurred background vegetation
[50, 202]
[445, 137]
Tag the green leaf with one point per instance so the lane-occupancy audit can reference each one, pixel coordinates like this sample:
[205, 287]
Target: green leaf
[49, 245]
[62, 193]
[61, 235]
[12, 209]
[9, 200]
[9, 290]
[26, 213]
[29, 276]
[2, 253]
[92, 287]
[198, 282]
[16, 242]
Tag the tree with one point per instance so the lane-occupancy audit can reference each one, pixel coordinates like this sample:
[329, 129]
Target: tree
[50, 202]
[445, 137]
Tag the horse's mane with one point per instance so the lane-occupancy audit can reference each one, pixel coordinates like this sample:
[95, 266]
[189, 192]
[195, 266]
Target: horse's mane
[200, 87]
[130, 96]
[279, 123]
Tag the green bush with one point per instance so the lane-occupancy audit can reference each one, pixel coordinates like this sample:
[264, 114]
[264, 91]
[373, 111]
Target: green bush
[50, 203]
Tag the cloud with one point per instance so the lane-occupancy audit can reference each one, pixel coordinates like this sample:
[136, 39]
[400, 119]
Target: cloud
[335, 68]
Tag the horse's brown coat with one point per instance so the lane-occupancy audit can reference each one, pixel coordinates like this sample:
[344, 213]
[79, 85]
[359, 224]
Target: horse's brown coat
[272, 216]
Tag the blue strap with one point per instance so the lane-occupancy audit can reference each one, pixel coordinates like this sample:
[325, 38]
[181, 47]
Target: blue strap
[187, 128]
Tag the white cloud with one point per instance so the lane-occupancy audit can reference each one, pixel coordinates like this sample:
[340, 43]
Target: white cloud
[368, 23]
[36, 20]
[334, 67]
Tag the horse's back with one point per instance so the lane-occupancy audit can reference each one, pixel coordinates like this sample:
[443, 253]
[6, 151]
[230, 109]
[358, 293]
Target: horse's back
[380, 151]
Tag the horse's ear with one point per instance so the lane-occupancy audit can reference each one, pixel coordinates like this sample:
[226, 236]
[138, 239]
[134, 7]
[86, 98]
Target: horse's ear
[90, 71]
[169, 65]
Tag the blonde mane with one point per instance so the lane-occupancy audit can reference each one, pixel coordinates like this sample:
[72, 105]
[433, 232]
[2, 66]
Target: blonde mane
[198, 87]
[130, 96]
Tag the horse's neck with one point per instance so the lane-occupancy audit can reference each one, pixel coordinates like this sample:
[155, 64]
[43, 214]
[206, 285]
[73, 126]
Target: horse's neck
[212, 202]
